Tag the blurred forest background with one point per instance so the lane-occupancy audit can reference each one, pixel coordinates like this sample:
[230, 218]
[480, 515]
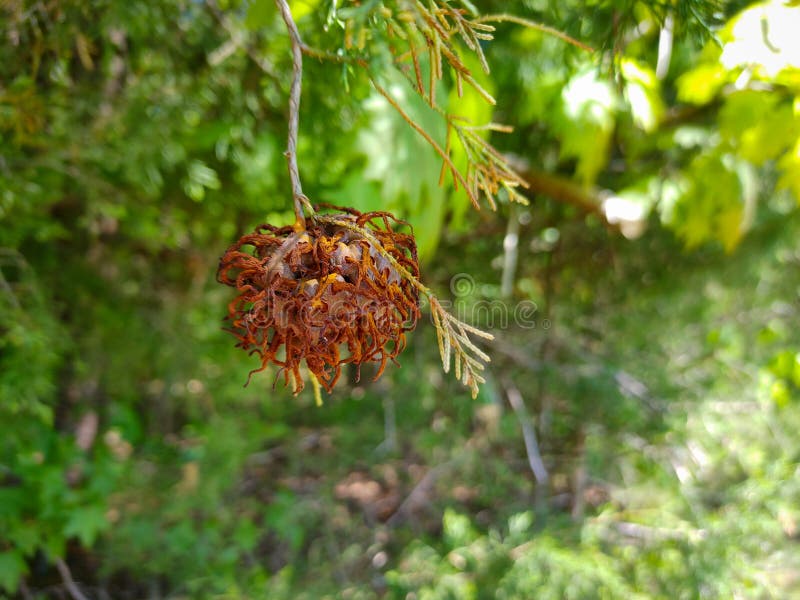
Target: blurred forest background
[657, 362]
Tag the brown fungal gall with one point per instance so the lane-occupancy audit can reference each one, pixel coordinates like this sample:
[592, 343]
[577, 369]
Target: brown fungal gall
[336, 292]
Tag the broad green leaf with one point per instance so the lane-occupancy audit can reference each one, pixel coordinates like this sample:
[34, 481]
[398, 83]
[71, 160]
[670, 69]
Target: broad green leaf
[86, 524]
[54, 545]
[25, 537]
[12, 568]
[729, 226]
[711, 206]
[586, 123]
[758, 124]
[642, 93]
[701, 84]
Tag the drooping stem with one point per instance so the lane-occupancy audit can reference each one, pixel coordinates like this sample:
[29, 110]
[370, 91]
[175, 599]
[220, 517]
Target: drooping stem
[300, 200]
[72, 587]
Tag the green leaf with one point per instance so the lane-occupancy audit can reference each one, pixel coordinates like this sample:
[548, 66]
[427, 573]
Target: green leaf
[520, 524]
[642, 94]
[285, 517]
[701, 84]
[458, 530]
[789, 165]
[758, 124]
[199, 178]
[25, 537]
[301, 8]
[86, 524]
[586, 123]
[12, 568]
[12, 502]
[711, 206]
[55, 545]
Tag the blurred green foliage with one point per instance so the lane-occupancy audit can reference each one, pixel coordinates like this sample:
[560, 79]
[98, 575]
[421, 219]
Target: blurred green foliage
[139, 139]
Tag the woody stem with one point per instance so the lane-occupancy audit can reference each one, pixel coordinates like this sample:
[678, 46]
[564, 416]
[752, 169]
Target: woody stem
[300, 200]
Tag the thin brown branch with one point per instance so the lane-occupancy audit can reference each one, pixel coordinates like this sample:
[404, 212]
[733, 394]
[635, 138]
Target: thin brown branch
[300, 200]
[563, 190]
[506, 18]
[615, 213]
[69, 582]
[24, 591]
[528, 434]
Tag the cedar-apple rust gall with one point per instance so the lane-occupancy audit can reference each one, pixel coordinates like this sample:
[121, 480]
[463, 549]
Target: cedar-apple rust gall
[328, 293]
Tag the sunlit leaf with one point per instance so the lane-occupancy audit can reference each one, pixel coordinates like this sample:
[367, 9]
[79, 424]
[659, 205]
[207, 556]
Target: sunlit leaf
[642, 94]
[586, 123]
[711, 206]
[759, 124]
[789, 166]
[301, 8]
